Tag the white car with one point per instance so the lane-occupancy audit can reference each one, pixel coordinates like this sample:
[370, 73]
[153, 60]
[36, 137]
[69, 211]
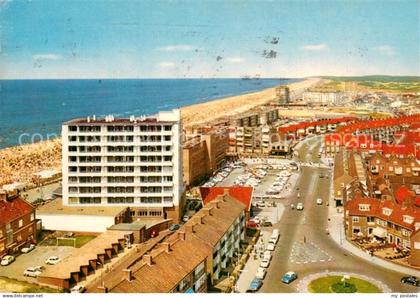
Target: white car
[265, 263]
[256, 219]
[267, 255]
[273, 239]
[27, 249]
[6, 260]
[32, 272]
[271, 247]
[78, 289]
[261, 272]
[52, 260]
[319, 201]
[299, 206]
[185, 218]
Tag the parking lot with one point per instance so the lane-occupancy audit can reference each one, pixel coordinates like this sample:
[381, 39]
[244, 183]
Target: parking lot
[32, 259]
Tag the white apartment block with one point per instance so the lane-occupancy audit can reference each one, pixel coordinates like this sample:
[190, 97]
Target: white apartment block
[133, 162]
[322, 98]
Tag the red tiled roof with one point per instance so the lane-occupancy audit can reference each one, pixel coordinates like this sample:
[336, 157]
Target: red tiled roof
[13, 209]
[401, 194]
[242, 194]
[396, 216]
[417, 201]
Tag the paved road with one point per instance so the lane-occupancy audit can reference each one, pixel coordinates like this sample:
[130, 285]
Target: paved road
[320, 252]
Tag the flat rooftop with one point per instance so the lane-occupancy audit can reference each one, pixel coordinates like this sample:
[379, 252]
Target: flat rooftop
[83, 255]
[56, 207]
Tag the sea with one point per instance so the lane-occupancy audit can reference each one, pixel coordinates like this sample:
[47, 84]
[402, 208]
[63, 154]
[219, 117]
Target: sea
[33, 110]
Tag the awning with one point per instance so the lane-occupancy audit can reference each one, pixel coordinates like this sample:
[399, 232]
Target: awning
[379, 232]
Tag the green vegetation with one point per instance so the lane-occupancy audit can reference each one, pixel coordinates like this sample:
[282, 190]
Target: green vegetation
[80, 241]
[386, 83]
[8, 285]
[333, 284]
[377, 78]
[53, 241]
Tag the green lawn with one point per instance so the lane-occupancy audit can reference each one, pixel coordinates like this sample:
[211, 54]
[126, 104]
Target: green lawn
[80, 241]
[8, 285]
[324, 285]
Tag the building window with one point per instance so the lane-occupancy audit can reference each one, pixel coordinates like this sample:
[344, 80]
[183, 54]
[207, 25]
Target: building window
[142, 213]
[355, 219]
[20, 223]
[30, 230]
[155, 213]
[19, 237]
[32, 216]
[1, 246]
[1, 235]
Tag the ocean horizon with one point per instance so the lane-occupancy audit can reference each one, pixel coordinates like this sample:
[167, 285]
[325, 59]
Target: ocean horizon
[33, 109]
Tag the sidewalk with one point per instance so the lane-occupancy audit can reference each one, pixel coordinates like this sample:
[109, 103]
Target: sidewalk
[251, 266]
[335, 227]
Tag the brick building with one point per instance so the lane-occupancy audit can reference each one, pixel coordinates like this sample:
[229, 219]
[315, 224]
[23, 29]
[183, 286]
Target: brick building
[17, 223]
[383, 219]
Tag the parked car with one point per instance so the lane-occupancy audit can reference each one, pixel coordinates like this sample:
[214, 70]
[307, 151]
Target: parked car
[185, 218]
[256, 219]
[319, 201]
[299, 206]
[273, 239]
[265, 263]
[267, 224]
[254, 286]
[52, 260]
[271, 247]
[154, 233]
[32, 272]
[7, 260]
[174, 227]
[261, 272]
[78, 289]
[288, 277]
[411, 280]
[28, 248]
[267, 255]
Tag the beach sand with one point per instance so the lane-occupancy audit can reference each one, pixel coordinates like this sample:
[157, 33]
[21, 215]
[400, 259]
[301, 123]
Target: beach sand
[18, 164]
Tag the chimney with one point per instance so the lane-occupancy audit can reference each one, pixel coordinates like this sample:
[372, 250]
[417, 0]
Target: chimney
[208, 210]
[3, 196]
[128, 274]
[190, 228]
[167, 246]
[148, 259]
[216, 204]
[225, 192]
[181, 235]
[201, 220]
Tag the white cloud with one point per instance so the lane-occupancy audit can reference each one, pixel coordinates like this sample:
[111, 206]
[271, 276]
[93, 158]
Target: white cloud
[386, 50]
[176, 48]
[46, 57]
[235, 60]
[166, 64]
[315, 47]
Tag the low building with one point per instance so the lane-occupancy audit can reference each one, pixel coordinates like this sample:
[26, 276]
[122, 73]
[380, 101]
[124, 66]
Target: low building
[322, 98]
[17, 223]
[383, 219]
[58, 217]
[86, 260]
[188, 260]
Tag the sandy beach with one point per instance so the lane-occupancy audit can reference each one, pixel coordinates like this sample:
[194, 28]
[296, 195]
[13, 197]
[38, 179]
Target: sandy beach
[19, 163]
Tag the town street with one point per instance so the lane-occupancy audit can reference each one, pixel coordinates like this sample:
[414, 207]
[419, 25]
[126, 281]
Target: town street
[305, 246]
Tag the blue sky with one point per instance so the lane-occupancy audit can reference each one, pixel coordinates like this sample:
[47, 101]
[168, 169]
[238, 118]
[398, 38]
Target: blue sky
[145, 39]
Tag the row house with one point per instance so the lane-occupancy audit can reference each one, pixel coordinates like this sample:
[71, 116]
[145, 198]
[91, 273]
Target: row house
[188, 260]
[393, 223]
[17, 224]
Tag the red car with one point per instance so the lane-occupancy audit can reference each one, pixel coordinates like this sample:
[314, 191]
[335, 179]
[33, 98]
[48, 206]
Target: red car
[154, 233]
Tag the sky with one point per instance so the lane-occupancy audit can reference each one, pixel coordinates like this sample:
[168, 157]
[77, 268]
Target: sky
[207, 39]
